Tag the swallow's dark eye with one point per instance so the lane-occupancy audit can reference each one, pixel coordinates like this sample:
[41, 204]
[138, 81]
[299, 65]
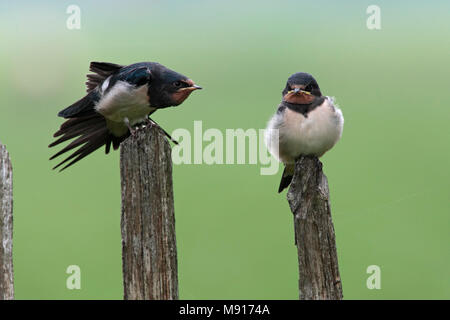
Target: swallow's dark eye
[177, 84]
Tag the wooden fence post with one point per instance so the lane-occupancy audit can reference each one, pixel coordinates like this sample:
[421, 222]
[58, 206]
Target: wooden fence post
[308, 197]
[149, 252]
[6, 227]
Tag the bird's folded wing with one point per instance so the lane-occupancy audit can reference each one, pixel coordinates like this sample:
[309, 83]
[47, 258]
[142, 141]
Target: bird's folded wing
[81, 108]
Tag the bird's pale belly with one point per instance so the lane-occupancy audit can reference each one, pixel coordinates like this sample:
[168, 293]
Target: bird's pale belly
[135, 113]
[312, 135]
[125, 102]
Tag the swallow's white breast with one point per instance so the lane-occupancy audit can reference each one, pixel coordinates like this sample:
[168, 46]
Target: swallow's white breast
[299, 135]
[124, 100]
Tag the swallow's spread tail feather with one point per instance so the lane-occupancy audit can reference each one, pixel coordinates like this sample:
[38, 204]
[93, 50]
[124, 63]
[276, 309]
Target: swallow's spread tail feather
[286, 178]
[90, 132]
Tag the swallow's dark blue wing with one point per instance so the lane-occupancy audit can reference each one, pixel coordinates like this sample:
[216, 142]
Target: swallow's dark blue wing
[136, 75]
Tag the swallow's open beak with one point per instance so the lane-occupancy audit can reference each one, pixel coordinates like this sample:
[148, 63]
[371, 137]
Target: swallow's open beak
[295, 90]
[192, 87]
[298, 90]
[306, 92]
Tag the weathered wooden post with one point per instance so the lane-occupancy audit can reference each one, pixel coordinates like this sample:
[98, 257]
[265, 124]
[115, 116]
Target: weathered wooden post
[149, 252]
[308, 197]
[6, 226]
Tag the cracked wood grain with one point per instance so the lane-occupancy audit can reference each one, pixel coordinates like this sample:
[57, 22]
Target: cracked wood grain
[6, 226]
[149, 252]
[308, 198]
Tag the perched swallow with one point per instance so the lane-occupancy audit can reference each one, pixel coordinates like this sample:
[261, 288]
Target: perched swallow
[306, 123]
[118, 98]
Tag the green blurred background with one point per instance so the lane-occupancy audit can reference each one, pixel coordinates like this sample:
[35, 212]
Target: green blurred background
[389, 175]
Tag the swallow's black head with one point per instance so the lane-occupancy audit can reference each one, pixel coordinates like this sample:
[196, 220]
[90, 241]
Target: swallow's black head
[301, 88]
[169, 88]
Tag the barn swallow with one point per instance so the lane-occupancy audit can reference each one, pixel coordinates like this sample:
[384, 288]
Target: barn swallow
[118, 99]
[306, 123]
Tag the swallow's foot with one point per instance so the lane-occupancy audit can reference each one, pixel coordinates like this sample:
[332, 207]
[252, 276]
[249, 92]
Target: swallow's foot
[132, 130]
